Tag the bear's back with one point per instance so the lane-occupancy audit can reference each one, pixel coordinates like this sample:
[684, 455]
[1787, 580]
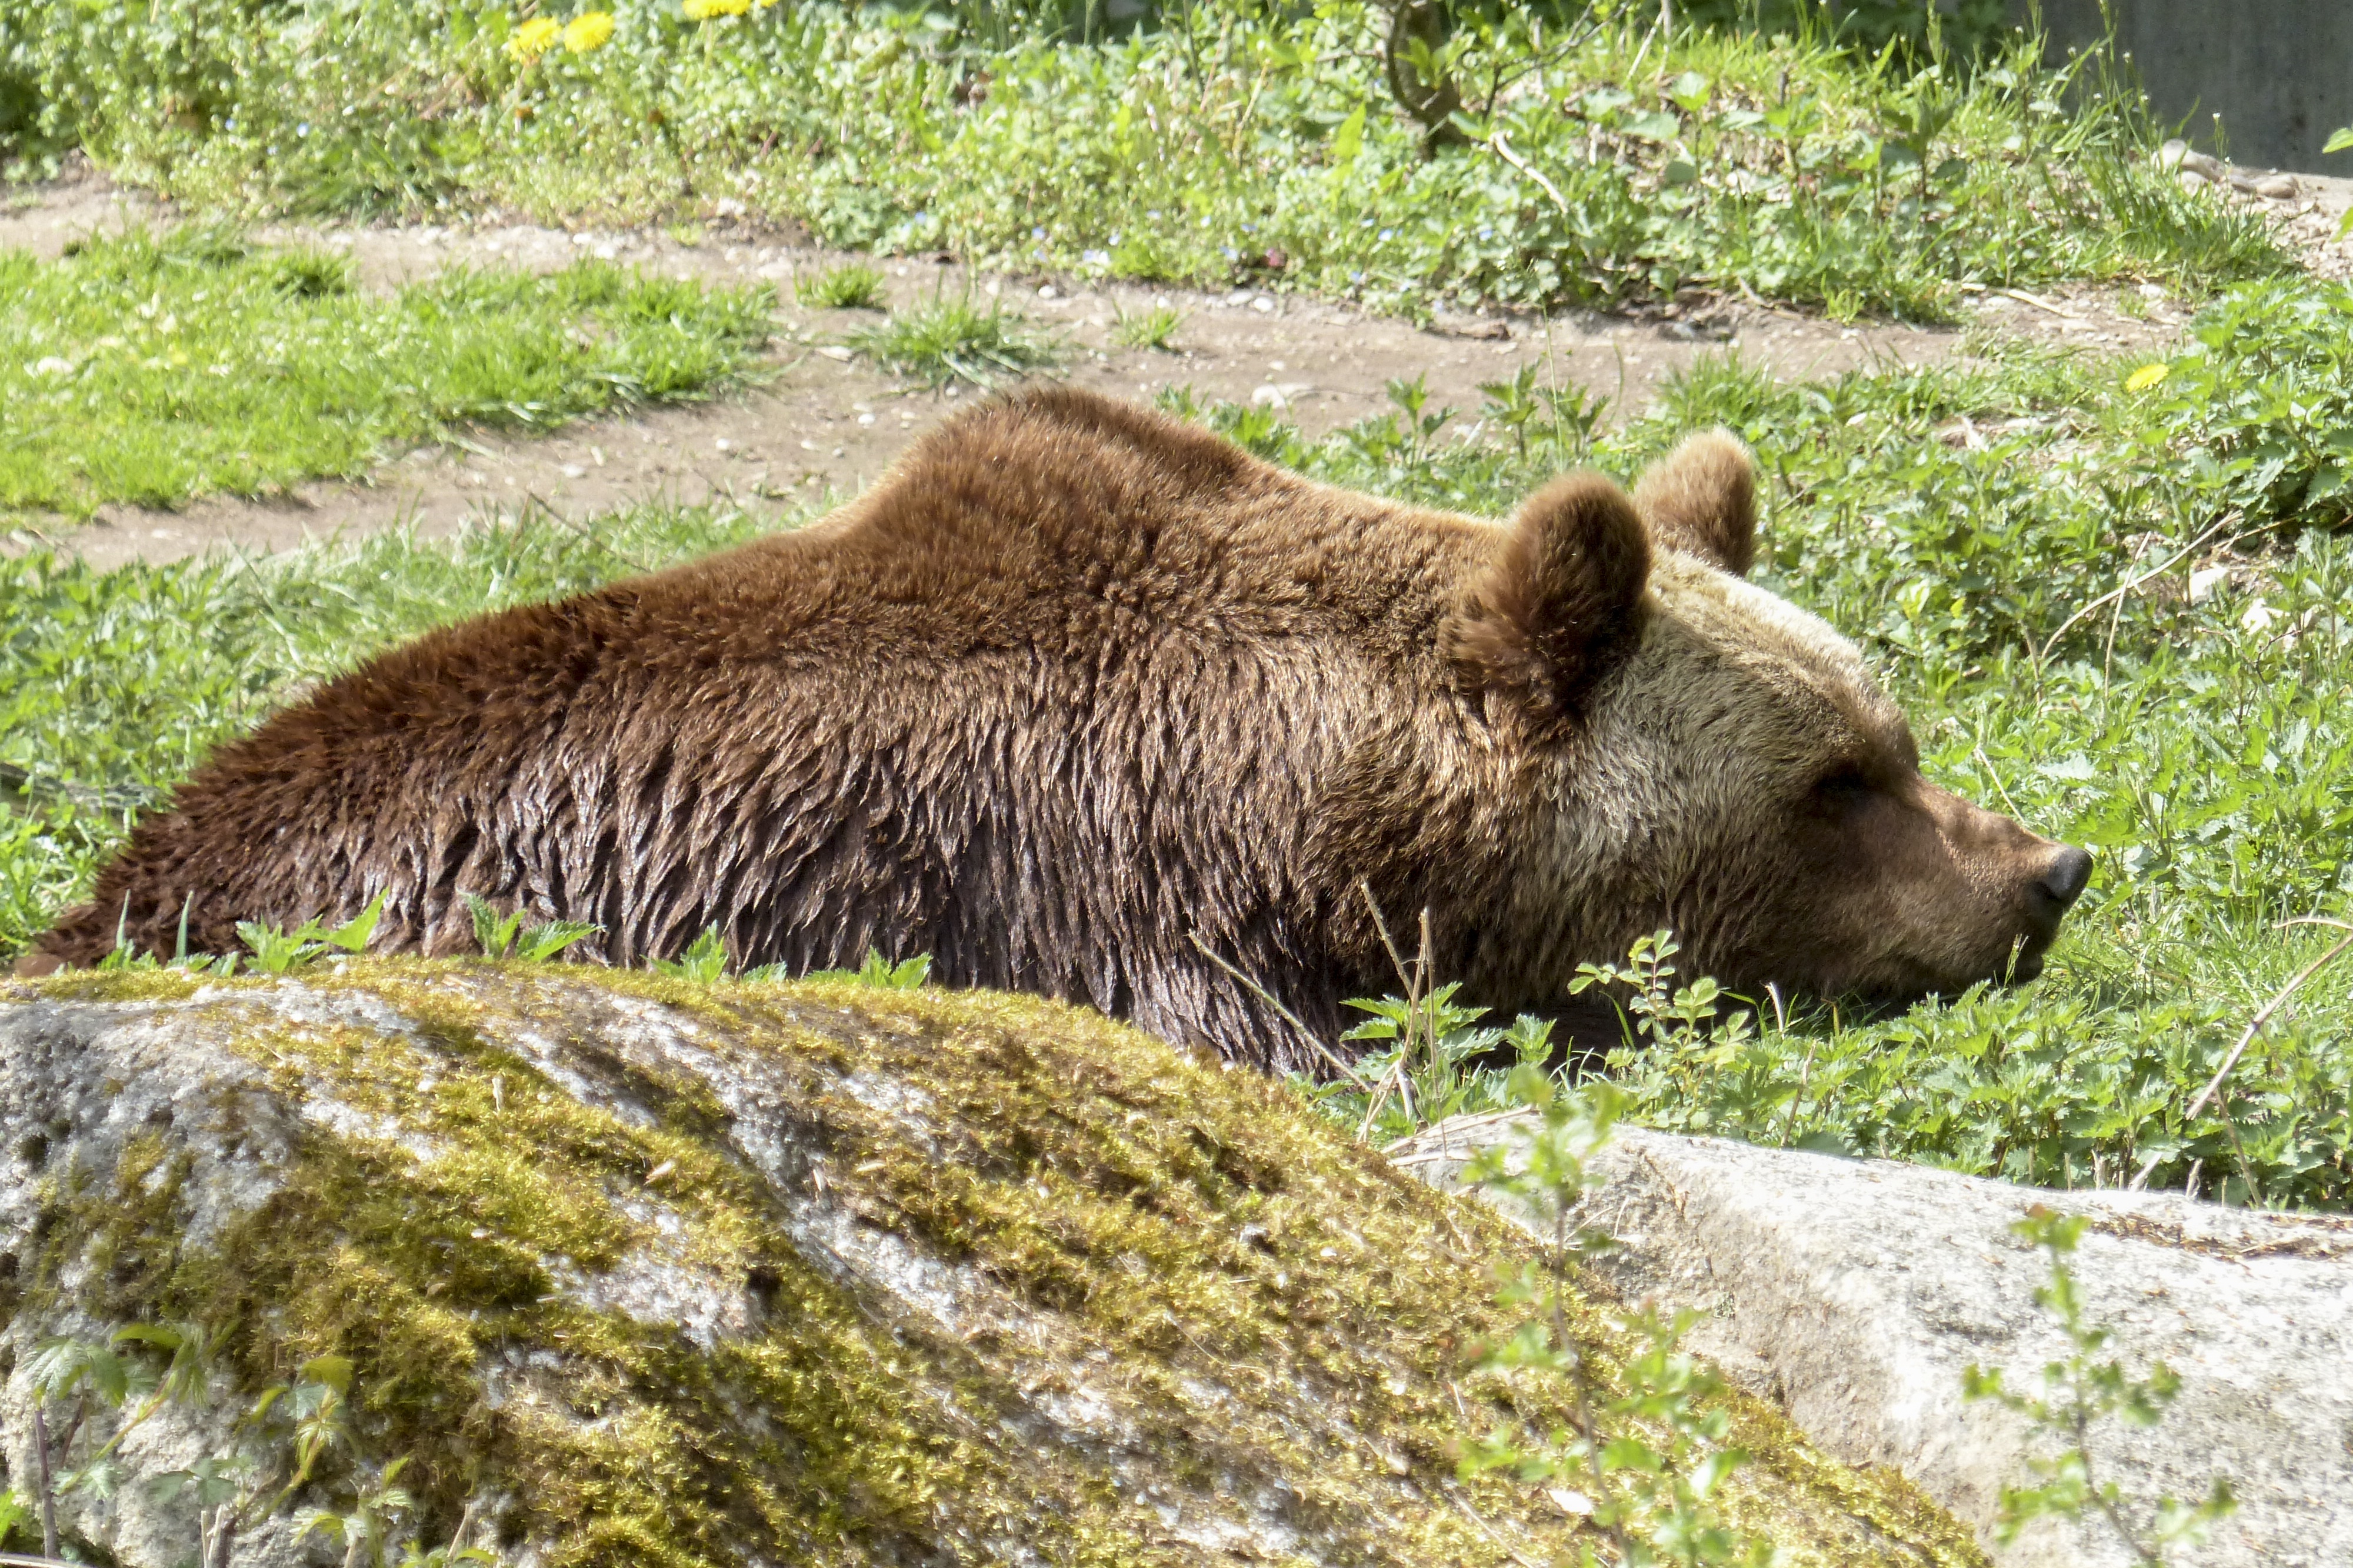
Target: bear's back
[1061, 631]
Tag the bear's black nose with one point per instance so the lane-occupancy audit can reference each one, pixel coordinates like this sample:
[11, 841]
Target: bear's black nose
[2062, 882]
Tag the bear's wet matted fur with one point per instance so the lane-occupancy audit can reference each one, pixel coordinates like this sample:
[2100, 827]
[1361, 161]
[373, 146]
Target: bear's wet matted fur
[1077, 688]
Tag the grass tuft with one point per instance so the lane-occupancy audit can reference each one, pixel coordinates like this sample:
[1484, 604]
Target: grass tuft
[955, 338]
[1152, 328]
[850, 286]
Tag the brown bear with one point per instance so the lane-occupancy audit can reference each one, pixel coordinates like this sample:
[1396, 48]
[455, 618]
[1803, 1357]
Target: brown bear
[1077, 690]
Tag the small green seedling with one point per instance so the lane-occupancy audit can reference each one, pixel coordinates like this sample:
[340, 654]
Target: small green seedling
[879, 971]
[505, 936]
[704, 961]
[277, 952]
[853, 286]
[1152, 328]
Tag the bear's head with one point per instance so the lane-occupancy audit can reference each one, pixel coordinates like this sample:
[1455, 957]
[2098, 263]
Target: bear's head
[1700, 754]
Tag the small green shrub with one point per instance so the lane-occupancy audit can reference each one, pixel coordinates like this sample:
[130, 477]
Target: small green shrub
[908, 975]
[850, 286]
[2078, 1396]
[704, 960]
[953, 338]
[505, 936]
[1642, 1459]
[1154, 328]
[277, 952]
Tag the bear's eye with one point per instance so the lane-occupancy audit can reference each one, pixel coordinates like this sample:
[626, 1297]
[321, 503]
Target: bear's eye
[1841, 789]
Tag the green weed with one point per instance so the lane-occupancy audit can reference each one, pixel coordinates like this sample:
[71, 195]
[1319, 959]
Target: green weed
[954, 337]
[152, 368]
[505, 936]
[704, 961]
[277, 952]
[850, 286]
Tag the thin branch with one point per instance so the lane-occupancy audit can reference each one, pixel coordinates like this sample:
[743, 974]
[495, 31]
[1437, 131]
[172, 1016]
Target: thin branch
[1269, 998]
[2150, 576]
[2247, 1038]
[1394, 1080]
[48, 1486]
[1502, 1545]
[1397, 959]
[1503, 149]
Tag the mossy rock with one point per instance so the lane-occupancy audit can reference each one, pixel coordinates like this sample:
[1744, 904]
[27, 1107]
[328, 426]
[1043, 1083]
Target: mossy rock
[659, 1273]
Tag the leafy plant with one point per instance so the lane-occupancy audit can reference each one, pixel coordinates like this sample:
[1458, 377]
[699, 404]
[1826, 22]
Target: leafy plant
[853, 285]
[1429, 1068]
[1643, 1460]
[1566, 417]
[908, 975]
[277, 952]
[505, 936]
[704, 960]
[2077, 1397]
[952, 338]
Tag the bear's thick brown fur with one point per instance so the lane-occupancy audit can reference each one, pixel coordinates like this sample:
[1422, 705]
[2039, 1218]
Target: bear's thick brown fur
[1079, 686]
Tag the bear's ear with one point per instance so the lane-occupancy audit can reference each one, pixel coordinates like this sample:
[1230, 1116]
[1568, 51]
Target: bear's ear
[1701, 499]
[1562, 598]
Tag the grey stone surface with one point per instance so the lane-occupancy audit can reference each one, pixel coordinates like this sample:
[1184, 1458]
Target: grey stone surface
[1854, 1292]
[1301, 1406]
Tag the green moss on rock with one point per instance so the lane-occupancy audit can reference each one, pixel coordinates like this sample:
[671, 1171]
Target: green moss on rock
[740, 1274]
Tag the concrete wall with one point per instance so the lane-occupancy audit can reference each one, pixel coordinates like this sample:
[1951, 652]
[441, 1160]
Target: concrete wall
[2279, 72]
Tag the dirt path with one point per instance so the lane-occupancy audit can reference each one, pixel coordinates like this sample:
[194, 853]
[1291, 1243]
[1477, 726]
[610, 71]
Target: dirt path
[823, 425]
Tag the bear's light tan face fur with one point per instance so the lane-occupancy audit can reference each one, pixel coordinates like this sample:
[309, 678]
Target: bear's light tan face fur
[1743, 780]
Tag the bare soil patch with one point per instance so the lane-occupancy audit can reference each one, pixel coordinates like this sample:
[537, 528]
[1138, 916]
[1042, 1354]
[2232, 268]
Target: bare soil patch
[822, 424]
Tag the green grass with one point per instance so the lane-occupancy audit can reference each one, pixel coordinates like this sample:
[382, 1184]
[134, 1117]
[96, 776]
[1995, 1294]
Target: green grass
[2203, 748]
[150, 369]
[850, 286]
[1234, 143]
[953, 337]
[1154, 328]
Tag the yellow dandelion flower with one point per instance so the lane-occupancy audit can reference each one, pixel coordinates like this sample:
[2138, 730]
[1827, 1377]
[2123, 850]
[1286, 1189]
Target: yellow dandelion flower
[2147, 376]
[589, 30]
[704, 10]
[531, 40]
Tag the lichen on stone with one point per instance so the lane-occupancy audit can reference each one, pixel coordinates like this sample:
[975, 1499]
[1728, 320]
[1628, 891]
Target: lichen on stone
[742, 1274]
